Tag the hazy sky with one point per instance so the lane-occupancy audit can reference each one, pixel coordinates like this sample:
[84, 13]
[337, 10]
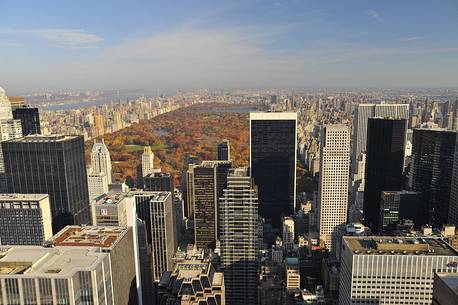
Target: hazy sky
[167, 45]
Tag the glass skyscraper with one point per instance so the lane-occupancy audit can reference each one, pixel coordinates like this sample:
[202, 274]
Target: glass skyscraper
[51, 165]
[273, 162]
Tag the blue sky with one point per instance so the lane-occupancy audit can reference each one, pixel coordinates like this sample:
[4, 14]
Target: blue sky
[169, 45]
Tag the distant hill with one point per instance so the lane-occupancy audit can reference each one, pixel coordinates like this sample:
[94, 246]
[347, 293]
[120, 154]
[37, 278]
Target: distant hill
[195, 130]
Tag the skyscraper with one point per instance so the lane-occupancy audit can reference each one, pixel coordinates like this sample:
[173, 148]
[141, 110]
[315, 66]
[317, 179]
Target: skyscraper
[366, 111]
[157, 211]
[431, 172]
[99, 127]
[25, 219]
[396, 206]
[273, 137]
[239, 236]
[224, 151]
[384, 164]
[101, 160]
[147, 161]
[9, 129]
[209, 180]
[97, 185]
[30, 120]
[333, 182]
[51, 165]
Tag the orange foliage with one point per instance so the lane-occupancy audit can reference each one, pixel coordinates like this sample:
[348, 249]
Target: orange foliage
[195, 130]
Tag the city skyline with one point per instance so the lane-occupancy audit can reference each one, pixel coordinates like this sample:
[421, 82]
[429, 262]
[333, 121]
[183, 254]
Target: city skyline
[179, 45]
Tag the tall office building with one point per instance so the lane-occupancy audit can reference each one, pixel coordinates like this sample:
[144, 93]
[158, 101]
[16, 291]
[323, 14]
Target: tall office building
[30, 120]
[209, 180]
[157, 211]
[99, 126]
[288, 232]
[396, 206]
[431, 172]
[366, 111]
[25, 219]
[51, 165]
[453, 205]
[9, 129]
[101, 160]
[333, 182]
[119, 210]
[118, 243]
[97, 185]
[239, 238]
[192, 282]
[224, 151]
[399, 270]
[117, 121]
[158, 182]
[384, 164]
[273, 137]
[147, 161]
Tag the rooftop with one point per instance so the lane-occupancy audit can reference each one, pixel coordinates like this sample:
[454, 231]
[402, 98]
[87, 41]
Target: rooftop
[273, 116]
[381, 245]
[449, 279]
[43, 138]
[112, 198]
[22, 197]
[157, 175]
[213, 163]
[191, 269]
[36, 261]
[104, 237]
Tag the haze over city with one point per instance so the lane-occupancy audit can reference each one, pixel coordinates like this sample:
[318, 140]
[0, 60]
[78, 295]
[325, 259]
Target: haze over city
[177, 45]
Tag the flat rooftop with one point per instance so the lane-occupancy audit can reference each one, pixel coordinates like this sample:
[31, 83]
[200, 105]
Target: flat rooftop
[37, 261]
[90, 236]
[273, 116]
[213, 163]
[191, 269]
[449, 279]
[154, 195]
[112, 198]
[43, 138]
[22, 197]
[383, 245]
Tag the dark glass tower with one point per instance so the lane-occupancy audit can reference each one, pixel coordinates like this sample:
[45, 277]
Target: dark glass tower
[209, 180]
[273, 162]
[51, 165]
[384, 164]
[431, 172]
[158, 182]
[30, 120]
[224, 151]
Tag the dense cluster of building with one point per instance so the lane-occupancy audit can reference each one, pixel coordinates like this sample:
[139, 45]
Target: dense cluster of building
[376, 225]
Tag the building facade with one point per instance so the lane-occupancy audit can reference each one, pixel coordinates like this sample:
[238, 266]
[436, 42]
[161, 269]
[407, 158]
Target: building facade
[30, 120]
[431, 172]
[224, 151]
[51, 165]
[384, 164]
[97, 185]
[273, 146]
[396, 206]
[25, 219]
[239, 238]
[101, 160]
[333, 183]
[398, 270]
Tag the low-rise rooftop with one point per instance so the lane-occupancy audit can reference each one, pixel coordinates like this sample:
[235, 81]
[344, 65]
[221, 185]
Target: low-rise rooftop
[37, 261]
[382, 245]
[22, 197]
[104, 237]
[43, 138]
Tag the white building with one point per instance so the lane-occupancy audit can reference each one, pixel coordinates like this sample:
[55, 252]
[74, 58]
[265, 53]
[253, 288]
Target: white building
[101, 160]
[60, 275]
[147, 161]
[288, 232]
[392, 270]
[293, 277]
[97, 184]
[333, 182]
